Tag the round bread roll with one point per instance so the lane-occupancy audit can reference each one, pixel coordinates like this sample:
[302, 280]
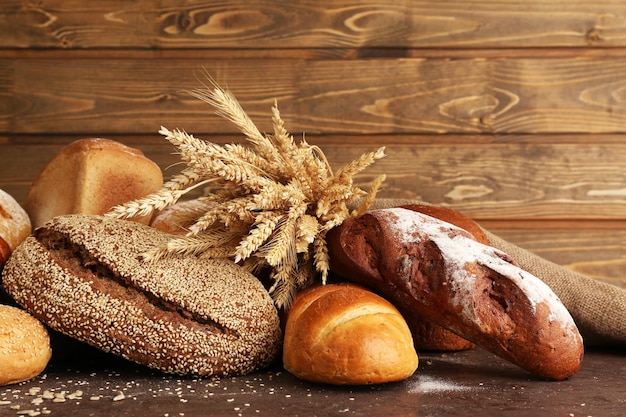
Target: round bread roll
[344, 334]
[90, 176]
[24, 346]
[84, 276]
[14, 226]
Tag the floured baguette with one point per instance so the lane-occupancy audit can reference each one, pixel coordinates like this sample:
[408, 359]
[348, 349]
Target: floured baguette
[422, 263]
[83, 276]
[426, 334]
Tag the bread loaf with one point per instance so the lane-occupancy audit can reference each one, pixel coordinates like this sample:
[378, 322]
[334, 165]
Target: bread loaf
[89, 176]
[24, 346]
[453, 217]
[437, 269]
[14, 226]
[84, 276]
[344, 334]
[426, 334]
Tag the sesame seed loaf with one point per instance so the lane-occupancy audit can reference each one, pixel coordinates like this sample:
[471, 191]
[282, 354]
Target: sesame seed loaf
[83, 276]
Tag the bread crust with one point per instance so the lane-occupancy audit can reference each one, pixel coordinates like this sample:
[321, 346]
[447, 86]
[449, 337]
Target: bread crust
[90, 176]
[451, 216]
[83, 276]
[24, 346]
[428, 335]
[15, 225]
[14, 221]
[344, 334]
[437, 269]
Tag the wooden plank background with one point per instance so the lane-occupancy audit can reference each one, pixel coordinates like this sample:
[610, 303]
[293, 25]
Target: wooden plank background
[512, 112]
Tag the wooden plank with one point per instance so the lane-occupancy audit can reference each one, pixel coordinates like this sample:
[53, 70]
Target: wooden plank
[490, 181]
[100, 97]
[306, 24]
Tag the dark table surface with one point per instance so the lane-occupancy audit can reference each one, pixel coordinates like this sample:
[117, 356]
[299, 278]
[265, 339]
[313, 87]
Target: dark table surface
[465, 383]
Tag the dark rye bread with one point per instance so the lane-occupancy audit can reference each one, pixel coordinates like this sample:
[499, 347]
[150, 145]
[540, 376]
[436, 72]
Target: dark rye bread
[438, 270]
[83, 275]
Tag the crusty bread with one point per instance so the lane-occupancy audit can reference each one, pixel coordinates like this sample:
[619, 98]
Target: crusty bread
[426, 334]
[24, 346]
[14, 225]
[437, 269]
[344, 334]
[83, 276]
[451, 216]
[89, 176]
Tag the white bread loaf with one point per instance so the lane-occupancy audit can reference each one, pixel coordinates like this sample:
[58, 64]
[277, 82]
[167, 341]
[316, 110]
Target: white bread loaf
[89, 176]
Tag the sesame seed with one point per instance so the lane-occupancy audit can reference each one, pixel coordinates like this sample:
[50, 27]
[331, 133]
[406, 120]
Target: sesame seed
[119, 397]
[249, 319]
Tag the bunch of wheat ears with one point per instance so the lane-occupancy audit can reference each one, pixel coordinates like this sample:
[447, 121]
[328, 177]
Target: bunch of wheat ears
[270, 205]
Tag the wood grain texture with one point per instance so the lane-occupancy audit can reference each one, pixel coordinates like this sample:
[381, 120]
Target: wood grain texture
[512, 112]
[310, 24]
[112, 96]
[489, 182]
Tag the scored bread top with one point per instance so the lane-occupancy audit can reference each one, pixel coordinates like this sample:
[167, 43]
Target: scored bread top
[84, 276]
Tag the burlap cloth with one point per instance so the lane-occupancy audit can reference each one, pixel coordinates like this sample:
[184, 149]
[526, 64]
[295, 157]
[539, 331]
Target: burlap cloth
[598, 308]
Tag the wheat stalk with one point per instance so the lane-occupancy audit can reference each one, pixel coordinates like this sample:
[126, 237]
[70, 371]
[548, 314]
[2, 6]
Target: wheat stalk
[274, 201]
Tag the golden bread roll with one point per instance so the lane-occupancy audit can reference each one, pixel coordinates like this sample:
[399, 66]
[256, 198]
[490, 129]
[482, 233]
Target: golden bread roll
[14, 225]
[24, 346]
[344, 334]
[89, 176]
[84, 276]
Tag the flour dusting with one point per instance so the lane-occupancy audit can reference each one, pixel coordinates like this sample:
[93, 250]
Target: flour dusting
[429, 384]
[458, 249]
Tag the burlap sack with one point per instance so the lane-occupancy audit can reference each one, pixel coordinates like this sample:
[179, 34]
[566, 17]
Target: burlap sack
[598, 308]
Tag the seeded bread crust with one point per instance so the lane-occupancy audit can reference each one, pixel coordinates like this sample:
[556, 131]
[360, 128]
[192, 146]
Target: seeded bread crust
[83, 276]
